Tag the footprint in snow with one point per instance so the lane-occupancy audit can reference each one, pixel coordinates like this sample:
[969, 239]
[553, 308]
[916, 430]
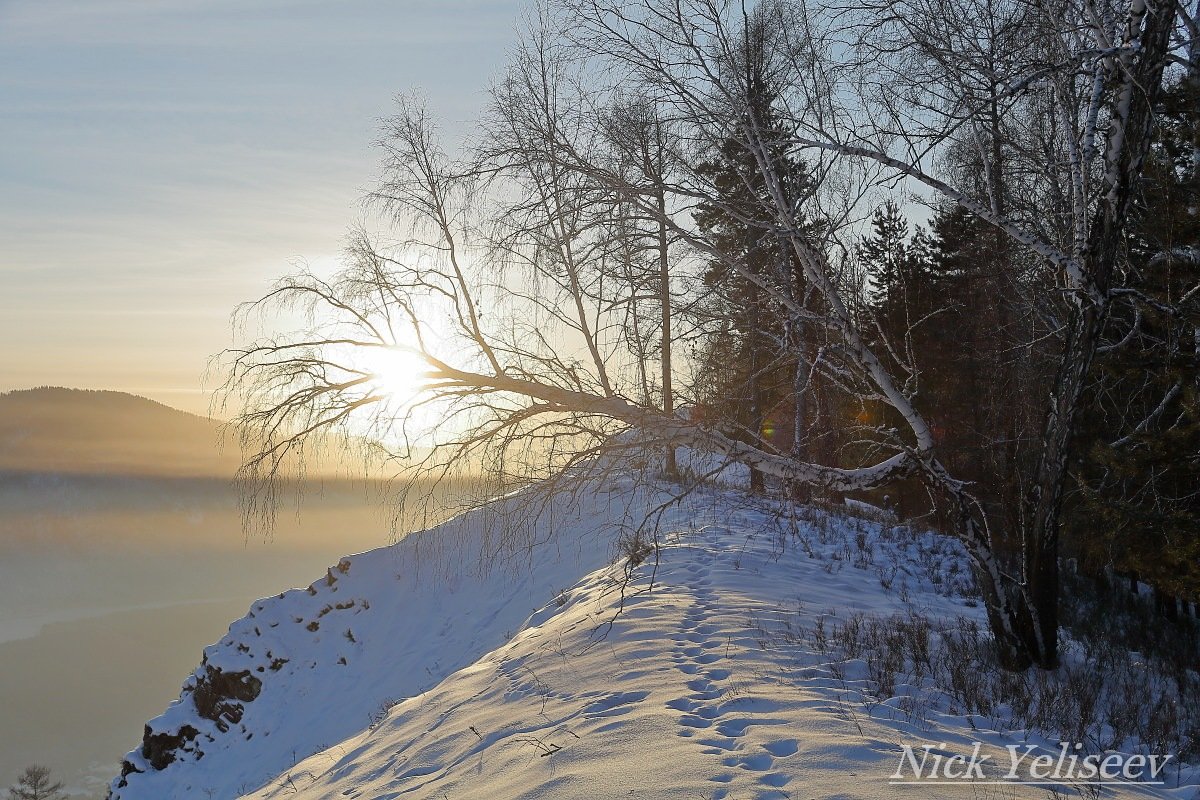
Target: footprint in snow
[614, 704]
[418, 772]
[737, 727]
[760, 762]
[683, 704]
[776, 779]
[773, 794]
[782, 748]
[724, 744]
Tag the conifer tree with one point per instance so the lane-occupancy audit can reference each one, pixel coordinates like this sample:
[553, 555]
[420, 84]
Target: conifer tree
[756, 329]
[35, 784]
[1136, 504]
[900, 283]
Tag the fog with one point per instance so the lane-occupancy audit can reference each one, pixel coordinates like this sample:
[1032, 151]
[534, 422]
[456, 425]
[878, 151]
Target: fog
[110, 590]
[122, 555]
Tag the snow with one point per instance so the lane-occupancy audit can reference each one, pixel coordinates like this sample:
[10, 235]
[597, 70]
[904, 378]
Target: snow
[382, 625]
[557, 673]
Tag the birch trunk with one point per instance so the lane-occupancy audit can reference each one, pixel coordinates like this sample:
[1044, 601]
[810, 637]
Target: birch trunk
[1038, 618]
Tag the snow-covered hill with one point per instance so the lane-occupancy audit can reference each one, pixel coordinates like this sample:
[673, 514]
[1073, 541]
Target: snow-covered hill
[419, 671]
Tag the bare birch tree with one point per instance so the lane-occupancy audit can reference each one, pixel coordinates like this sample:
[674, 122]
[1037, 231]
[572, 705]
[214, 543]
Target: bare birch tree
[639, 140]
[869, 94]
[1100, 79]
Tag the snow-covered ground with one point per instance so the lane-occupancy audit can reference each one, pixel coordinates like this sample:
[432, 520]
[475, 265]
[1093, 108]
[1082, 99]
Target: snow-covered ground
[457, 665]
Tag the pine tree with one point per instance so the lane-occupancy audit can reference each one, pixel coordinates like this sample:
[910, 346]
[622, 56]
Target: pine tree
[901, 284]
[946, 304]
[901, 295]
[1136, 508]
[35, 784]
[885, 252]
[766, 345]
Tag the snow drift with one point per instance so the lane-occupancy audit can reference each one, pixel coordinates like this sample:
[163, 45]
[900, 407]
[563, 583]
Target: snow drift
[432, 669]
[305, 669]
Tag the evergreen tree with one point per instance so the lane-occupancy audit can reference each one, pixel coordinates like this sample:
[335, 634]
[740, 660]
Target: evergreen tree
[901, 296]
[947, 304]
[885, 252]
[35, 784]
[764, 343]
[990, 364]
[1136, 508]
[898, 270]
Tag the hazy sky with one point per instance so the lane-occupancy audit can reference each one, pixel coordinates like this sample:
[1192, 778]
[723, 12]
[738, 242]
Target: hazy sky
[163, 160]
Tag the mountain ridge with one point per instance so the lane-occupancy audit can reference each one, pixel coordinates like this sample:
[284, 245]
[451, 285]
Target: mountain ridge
[64, 430]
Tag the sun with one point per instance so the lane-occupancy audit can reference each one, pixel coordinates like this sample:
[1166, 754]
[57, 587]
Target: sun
[401, 381]
[397, 372]
[401, 406]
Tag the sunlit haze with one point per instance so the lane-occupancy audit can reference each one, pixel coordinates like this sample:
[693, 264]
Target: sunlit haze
[164, 160]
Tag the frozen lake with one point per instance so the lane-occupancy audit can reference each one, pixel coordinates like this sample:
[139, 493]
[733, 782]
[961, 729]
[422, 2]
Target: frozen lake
[111, 589]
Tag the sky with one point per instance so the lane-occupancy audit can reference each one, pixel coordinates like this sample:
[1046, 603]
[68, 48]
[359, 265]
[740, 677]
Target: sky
[163, 160]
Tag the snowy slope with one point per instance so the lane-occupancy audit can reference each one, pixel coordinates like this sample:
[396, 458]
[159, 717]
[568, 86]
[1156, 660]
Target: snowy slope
[697, 678]
[312, 666]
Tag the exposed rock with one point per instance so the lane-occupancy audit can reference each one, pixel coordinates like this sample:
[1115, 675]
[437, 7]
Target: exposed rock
[159, 748]
[219, 695]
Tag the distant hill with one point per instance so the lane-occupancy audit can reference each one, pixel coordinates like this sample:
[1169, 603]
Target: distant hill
[53, 429]
[83, 468]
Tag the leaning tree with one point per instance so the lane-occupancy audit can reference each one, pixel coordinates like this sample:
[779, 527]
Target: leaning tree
[502, 279]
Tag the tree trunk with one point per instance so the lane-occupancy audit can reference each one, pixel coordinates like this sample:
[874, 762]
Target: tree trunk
[1004, 600]
[801, 493]
[757, 480]
[755, 418]
[1166, 605]
[664, 277]
[1038, 618]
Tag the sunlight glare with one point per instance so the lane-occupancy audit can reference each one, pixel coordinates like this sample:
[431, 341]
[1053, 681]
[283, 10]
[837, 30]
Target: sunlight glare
[398, 372]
